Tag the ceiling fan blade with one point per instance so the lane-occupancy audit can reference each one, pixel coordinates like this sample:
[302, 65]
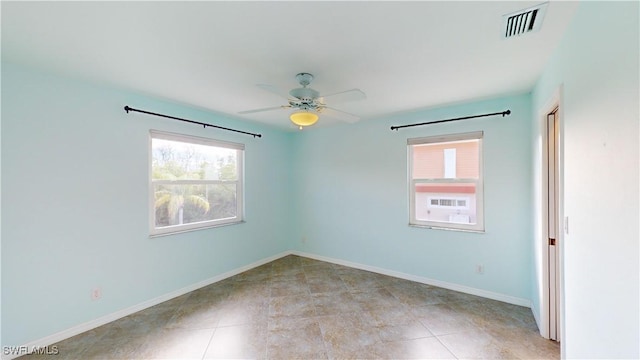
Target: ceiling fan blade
[348, 95]
[274, 90]
[339, 114]
[264, 109]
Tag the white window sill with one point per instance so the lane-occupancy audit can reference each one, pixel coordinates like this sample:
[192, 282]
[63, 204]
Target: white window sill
[195, 229]
[446, 228]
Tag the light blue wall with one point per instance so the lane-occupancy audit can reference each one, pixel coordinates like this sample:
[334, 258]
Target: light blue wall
[74, 207]
[75, 204]
[597, 63]
[351, 195]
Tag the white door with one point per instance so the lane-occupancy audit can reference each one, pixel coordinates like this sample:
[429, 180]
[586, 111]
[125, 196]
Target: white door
[552, 221]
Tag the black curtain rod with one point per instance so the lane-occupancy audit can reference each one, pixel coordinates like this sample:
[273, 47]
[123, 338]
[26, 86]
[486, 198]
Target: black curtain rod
[503, 113]
[127, 109]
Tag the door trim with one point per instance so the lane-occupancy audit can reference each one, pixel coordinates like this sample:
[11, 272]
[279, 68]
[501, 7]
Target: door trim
[553, 220]
[542, 242]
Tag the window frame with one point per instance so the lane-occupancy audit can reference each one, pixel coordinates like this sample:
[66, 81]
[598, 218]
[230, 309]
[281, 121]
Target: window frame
[239, 182]
[479, 183]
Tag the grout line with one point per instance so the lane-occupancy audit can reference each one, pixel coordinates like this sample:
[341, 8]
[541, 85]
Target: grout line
[209, 343]
[446, 347]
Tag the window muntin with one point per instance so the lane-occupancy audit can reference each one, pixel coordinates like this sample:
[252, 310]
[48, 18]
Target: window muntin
[445, 176]
[194, 183]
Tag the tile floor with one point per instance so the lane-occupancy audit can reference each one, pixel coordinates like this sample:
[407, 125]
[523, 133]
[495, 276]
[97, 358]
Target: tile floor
[299, 308]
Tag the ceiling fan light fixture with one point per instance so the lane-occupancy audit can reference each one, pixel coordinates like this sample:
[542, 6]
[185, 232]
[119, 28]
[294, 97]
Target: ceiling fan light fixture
[306, 104]
[303, 118]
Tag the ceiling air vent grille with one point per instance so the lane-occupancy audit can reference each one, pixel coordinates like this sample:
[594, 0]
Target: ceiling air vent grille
[523, 21]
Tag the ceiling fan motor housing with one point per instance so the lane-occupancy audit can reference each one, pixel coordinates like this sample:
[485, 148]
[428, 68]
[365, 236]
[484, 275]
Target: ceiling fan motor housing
[304, 94]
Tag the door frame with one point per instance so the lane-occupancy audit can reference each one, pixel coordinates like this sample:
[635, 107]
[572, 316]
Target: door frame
[555, 102]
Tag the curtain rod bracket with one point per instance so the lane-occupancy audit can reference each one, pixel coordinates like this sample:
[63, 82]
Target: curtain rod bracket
[204, 125]
[503, 113]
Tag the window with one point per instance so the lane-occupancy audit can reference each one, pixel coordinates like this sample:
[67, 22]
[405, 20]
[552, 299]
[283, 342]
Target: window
[445, 176]
[195, 183]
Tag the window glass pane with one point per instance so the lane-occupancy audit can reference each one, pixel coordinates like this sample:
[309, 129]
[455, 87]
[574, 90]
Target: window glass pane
[175, 160]
[450, 163]
[435, 160]
[185, 204]
[446, 202]
[222, 198]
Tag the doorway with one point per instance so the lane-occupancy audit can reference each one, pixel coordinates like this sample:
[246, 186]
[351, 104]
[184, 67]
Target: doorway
[554, 233]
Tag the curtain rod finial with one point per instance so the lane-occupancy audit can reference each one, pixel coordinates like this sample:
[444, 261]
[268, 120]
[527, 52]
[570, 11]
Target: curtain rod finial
[508, 112]
[127, 108]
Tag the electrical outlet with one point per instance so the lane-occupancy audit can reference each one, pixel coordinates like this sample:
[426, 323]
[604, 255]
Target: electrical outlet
[96, 293]
[479, 269]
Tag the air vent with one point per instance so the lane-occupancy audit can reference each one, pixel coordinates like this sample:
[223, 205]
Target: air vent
[523, 21]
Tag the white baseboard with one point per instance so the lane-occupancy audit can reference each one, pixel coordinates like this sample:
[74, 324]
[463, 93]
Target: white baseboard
[443, 284]
[536, 317]
[89, 325]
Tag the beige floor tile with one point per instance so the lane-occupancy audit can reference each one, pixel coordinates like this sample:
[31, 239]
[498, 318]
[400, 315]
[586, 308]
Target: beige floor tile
[326, 284]
[299, 308]
[244, 312]
[299, 343]
[177, 344]
[360, 281]
[416, 294]
[238, 342]
[424, 348]
[292, 306]
[289, 288]
[525, 343]
[291, 323]
[476, 344]
[409, 331]
[441, 319]
[333, 303]
[399, 315]
[200, 315]
[377, 299]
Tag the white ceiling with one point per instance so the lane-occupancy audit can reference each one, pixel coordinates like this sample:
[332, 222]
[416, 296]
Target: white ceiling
[404, 55]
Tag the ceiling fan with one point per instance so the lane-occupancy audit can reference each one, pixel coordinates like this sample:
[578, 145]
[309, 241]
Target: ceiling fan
[308, 104]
